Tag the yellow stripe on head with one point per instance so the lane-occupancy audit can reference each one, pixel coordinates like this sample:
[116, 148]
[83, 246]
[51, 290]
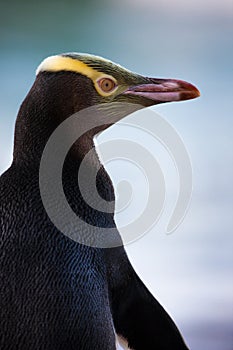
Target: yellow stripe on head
[64, 63]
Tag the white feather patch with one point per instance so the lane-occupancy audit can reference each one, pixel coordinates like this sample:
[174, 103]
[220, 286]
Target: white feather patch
[121, 343]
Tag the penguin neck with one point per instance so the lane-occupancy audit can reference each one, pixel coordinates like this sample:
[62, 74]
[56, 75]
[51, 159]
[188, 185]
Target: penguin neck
[38, 118]
[39, 115]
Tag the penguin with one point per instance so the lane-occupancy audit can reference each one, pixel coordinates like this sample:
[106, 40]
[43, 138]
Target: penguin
[58, 293]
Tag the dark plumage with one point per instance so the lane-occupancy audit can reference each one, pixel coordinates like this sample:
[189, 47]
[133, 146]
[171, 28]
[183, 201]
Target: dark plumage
[57, 294]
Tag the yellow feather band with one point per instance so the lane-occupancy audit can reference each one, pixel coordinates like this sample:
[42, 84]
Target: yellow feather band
[62, 63]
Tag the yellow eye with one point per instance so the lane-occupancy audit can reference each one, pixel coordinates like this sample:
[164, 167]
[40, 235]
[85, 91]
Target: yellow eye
[107, 85]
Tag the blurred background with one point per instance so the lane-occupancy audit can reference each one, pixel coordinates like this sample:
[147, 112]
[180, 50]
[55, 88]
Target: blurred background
[190, 271]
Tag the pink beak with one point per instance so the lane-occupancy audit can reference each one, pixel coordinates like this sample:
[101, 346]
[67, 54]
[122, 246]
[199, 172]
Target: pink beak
[164, 90]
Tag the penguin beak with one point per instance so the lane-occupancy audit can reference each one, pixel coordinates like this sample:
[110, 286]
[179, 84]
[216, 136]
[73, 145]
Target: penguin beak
[164, 90]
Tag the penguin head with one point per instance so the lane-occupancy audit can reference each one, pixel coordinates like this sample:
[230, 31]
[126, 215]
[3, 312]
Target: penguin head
[99, 80]
[68, 83]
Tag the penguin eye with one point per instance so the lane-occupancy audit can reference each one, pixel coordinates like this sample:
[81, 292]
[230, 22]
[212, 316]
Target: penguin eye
[107, 84]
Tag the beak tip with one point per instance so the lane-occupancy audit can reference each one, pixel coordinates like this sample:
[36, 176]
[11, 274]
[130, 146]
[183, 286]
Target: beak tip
[188, 91]
[196, 92]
